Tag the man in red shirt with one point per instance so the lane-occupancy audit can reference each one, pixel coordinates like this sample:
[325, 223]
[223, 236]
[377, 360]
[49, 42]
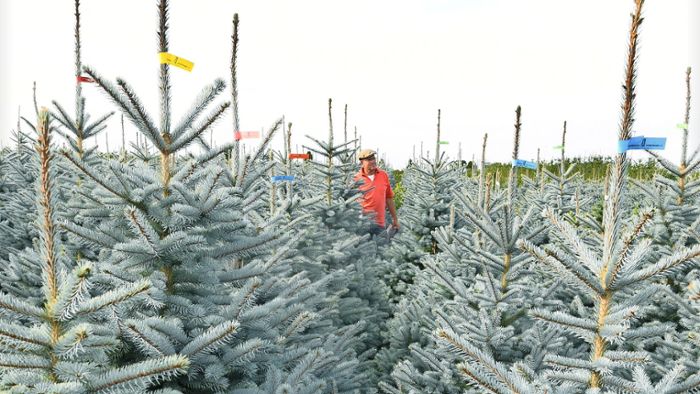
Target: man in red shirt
[378, 194]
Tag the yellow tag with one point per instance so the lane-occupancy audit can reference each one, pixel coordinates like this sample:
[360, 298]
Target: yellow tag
[169, 58]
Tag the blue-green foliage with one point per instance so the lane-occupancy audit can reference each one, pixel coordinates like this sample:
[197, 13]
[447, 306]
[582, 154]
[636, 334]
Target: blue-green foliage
[228, 298]
[177, 270]
[474, 282]
[426, 206]
[321, 206]
[61, 339]
[186, 283]
[584, 309]
[17, 205]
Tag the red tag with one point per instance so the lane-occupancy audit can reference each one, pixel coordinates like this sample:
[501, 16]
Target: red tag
[239, 135]
[304, 156]
[85, 79]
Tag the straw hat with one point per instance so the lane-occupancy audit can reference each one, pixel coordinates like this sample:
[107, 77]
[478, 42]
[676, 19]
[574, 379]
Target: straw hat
[366, 154]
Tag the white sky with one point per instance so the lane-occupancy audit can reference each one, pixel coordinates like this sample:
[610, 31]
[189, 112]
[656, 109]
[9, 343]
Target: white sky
[394, 62]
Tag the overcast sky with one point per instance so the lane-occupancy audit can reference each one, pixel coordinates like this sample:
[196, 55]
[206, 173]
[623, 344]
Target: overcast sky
[393, 62]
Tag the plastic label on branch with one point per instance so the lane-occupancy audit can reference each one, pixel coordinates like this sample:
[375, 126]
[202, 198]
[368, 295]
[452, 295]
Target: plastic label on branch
[443, 142]
[304, 156]
[683, 126]
[559, 147]
[81, 78]
[525, 164]
[282, 178]
[169, 58]
[239, 135]
[641, 143]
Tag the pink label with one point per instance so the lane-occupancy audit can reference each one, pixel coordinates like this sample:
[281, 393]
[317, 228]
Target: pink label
[239, 135]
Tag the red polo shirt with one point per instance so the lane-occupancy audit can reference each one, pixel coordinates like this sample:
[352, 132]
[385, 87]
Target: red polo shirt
[375, 199]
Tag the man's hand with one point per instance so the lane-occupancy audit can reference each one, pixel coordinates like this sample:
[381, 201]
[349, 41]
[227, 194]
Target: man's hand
[392, 211]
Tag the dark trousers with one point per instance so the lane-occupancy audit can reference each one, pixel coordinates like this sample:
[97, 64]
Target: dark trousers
[375, 229]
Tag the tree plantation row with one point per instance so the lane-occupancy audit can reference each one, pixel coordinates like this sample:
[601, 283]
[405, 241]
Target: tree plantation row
[166, 269]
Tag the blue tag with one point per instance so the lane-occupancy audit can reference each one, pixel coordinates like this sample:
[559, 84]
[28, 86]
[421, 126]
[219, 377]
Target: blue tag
[635, 143]
[280, 178]
[525, 164]
[641, 143]
[655, 143]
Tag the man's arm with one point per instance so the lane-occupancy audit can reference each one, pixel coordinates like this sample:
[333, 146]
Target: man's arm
[392, 211]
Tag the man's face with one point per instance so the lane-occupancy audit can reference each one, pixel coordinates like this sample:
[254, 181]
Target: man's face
[369, 165]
